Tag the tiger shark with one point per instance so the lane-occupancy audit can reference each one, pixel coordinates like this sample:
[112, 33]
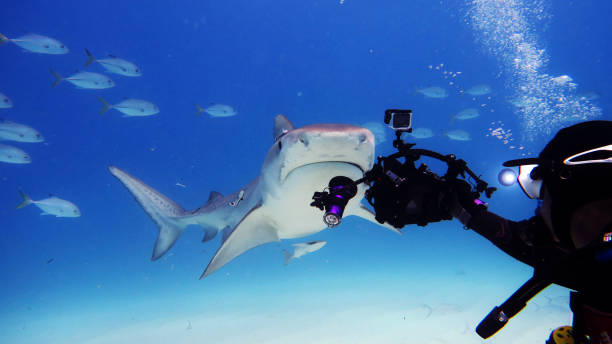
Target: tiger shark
[275, 205]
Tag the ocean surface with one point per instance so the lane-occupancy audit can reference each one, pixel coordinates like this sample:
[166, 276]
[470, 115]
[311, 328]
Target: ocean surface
[527, 67]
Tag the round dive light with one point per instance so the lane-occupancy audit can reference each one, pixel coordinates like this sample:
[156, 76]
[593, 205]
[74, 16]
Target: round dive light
[341, 190]
[507, 177]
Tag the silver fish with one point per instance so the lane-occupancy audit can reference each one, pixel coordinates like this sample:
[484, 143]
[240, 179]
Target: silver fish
[217, 110]
[302, 249]
[13, 155]
[52, 206]
[86, 80]
[37, 44]
[468, 113]
[5, 102]
[479, 90]
[421, 133]
[588, 95]
[523, 101]
[115, 65]
[11, 131]
[131, 107]
[433, 92]
[459, 135]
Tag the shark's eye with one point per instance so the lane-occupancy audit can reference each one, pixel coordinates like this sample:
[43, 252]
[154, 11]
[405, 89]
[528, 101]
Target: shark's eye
[280, 146]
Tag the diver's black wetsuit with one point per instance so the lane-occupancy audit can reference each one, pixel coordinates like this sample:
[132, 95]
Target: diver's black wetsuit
[586, 271]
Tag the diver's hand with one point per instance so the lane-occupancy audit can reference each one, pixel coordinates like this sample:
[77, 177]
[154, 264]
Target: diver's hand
[463, 203]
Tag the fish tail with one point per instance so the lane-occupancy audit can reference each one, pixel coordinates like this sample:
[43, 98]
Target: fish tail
[106, 105]
[3, 39]
[26, 200]
[90, 60]
[288, 256]
[428, 309]
[200, 110]
[58, 78]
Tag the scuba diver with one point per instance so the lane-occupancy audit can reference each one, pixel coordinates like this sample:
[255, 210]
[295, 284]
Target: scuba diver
[569, 240]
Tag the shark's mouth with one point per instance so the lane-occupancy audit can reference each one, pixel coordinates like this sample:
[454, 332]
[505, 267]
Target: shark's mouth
[287, 173]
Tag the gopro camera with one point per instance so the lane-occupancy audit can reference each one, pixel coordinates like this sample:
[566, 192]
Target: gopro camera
[399, 120]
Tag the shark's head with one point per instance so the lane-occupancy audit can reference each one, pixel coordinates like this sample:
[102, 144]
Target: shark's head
[321, 143]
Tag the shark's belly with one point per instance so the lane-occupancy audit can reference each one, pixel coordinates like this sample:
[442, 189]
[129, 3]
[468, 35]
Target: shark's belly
[290, 205]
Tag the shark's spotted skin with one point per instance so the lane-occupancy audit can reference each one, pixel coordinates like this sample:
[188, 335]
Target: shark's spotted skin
[275, 205]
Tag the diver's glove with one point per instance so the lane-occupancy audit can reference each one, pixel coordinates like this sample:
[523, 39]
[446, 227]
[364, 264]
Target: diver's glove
[463, 203]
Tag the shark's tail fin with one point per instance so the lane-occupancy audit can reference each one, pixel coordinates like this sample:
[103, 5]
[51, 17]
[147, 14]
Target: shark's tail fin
[58, 78]
[26, 200]
[165, 212]
[288, 256]
[106, 105]
[90, 59]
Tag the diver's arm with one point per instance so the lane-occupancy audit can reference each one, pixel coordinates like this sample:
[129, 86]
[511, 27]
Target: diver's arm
[514, 238]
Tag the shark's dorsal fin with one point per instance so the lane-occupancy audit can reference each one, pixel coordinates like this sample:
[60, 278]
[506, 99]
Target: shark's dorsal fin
[281, 126]
[255, 229]
[213, 196]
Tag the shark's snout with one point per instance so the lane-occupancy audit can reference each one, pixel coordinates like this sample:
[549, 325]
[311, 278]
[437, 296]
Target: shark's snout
[326, 143]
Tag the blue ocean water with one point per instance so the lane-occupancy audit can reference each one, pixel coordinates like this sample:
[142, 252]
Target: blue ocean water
[90, 279]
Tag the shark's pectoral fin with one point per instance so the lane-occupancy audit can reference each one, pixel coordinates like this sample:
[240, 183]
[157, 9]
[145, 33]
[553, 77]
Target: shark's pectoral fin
[255, 229]
[365, 213]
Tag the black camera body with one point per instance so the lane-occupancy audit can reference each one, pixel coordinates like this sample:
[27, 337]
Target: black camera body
[403, 194]
[400, 193]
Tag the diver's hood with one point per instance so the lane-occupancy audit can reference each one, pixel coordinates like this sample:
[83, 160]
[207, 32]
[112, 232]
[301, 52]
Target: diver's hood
[575, 168]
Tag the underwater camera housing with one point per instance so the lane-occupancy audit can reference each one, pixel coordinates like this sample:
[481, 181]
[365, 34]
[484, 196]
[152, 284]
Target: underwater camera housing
[400, 192]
